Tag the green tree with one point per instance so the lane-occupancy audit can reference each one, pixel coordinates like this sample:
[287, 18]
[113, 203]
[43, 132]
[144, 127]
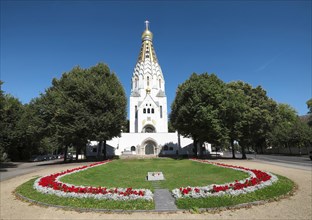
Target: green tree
[2, 127]
[300, 135]
[236, 112]
[11, 111]
[309, 104]
[259, 119]
[83, 105]
[197, 108]
[106, 104]
[285, 119]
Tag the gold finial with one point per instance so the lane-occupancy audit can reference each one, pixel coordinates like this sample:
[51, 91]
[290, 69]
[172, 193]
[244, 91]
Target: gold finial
[147, 35]
[146, 24]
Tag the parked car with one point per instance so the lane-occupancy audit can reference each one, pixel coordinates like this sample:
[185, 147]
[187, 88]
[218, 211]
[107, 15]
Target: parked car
[36, 158]
[70, 156]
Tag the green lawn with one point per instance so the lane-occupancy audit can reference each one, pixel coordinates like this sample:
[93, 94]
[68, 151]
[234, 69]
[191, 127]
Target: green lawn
[132, 173]
[178, 173]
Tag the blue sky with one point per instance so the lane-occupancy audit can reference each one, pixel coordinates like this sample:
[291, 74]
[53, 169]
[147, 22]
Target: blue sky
[265, 43]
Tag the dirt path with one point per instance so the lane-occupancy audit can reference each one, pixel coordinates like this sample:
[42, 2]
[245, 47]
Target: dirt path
[298, 206]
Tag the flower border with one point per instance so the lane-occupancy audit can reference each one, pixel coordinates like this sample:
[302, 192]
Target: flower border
[257, 180]
[51, 184]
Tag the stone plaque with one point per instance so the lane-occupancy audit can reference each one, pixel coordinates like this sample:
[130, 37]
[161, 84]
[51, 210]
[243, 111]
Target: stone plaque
[154, 176]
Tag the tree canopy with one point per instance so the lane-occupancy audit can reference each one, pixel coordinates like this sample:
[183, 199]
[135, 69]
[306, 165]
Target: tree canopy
[83, 105]
[207, 109]
[197, 107]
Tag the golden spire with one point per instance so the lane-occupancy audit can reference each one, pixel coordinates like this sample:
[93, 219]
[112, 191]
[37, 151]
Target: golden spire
[147, 49]
[147, 35]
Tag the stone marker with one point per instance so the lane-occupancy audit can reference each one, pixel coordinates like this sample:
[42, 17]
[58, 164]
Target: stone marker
[154, 176]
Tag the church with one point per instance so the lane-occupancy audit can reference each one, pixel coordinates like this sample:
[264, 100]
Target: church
[148, 123]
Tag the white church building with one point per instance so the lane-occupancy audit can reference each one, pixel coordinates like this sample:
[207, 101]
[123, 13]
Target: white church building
[148, 120]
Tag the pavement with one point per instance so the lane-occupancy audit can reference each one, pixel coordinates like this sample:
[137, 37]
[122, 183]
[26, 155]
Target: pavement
[10, 170]
[164, 201]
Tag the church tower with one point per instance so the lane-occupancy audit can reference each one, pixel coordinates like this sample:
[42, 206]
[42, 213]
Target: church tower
[148, 101]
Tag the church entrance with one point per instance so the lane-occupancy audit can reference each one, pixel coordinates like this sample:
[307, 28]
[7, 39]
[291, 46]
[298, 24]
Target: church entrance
[149, 148]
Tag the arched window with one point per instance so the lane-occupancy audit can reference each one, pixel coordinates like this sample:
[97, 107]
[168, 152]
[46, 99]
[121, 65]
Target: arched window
[133, 148]
[136, 83]
[144, 110]
[148, 81]
[159, 83]
[152, 111]
[148, 111]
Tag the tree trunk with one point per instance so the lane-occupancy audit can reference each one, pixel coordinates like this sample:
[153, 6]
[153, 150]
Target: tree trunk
[289, 148]
[233, 149]
[77, 151]
[65, 153]
[195, 147]
[105, 153]
[99, 150]
[243, 153]
[200, 149]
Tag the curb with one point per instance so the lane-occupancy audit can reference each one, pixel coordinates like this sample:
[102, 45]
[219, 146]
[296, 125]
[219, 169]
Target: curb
[199, 210]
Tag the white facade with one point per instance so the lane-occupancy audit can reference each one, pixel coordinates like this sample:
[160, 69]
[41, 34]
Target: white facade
[145, 144]
[148, 101]
[148, 113]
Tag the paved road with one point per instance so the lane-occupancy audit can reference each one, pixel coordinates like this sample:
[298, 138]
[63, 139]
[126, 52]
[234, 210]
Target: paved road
[13, 169]
[300, 162]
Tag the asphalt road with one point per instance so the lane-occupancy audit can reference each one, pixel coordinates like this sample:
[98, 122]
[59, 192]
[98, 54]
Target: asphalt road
[9, 170]
[300, 162]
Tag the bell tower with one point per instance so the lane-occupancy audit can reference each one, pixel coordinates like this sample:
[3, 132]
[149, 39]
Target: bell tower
[148, 101]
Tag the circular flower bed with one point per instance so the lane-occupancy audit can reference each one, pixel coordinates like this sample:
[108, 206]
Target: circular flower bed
[52, 185]
[257, 180]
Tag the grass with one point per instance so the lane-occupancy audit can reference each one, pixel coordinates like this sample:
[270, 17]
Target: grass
[132, 173]
[282, 187]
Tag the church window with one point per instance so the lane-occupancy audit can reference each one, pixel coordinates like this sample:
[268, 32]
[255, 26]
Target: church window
[136, 111]
[170, 148]
[160, 111]
[148, 111]
[94, 150]
[133, 148]
[165, 147]
[148, 81]
[144, 110]
[146, 104]
[152, 111]
[159, 83]
[136, 82]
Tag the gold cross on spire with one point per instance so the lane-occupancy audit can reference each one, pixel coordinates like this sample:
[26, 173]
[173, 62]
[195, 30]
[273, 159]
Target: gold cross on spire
[146, 24]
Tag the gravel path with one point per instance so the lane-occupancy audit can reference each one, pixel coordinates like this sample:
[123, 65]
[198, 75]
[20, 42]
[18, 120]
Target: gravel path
[298, 206]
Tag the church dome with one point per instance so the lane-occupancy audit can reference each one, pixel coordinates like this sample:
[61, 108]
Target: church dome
[147, 34]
